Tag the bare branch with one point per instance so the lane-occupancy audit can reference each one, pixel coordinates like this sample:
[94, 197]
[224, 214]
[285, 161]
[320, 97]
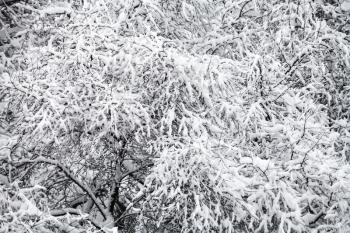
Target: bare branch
[136, 170]
[65, 211]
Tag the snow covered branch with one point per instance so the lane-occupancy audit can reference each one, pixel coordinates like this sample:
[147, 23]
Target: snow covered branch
[71, 176]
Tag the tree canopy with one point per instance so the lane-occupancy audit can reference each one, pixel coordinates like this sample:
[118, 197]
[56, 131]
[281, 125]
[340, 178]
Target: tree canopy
[175, 116]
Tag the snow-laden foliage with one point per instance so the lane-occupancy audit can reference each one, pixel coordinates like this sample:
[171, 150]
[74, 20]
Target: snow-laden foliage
[182, 116]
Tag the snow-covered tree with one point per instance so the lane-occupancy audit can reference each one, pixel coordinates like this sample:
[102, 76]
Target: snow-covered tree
[178, 116]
